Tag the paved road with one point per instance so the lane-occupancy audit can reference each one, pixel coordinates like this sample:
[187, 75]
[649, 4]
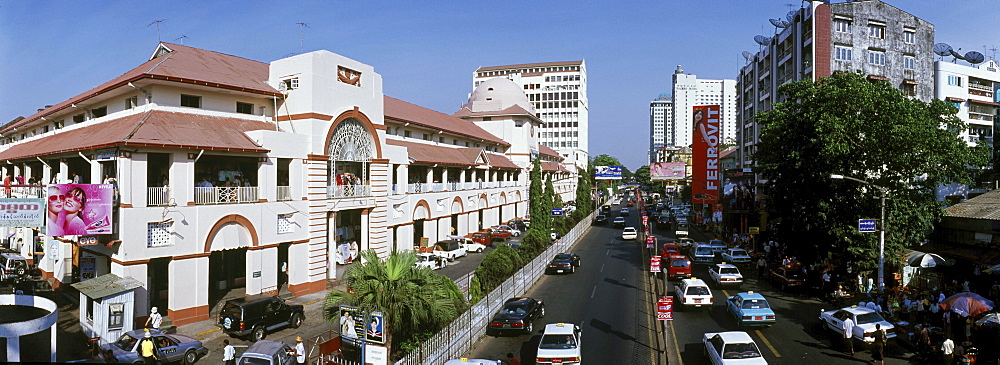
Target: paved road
[607, 297]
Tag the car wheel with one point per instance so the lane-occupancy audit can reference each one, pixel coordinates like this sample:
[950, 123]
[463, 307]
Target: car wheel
[296, 321]
[572, 269]
[479, 250]
[258, 334]
[541, 313]
[528, 327]
[190, 357]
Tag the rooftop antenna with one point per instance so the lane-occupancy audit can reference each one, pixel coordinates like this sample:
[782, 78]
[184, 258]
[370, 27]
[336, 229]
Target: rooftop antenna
[993, 55]
[157, 22]
[181, 38]
[302, 36]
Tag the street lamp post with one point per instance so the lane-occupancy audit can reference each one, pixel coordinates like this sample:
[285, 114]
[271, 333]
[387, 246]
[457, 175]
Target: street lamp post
[881, 231]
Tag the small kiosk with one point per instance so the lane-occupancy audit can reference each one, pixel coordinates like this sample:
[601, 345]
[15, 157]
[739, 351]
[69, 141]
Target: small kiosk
[107, 306]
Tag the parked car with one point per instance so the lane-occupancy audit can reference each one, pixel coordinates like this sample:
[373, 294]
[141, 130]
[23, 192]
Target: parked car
[725, 275]
[12, 266]
[669, 249]
[680, 267]
[629, 233]
[500, 233]
[618, 222]
[483, 238]
[29, 286]
[450, 249]
[735, 256]
[786, 277]
[169, 348]
[734, 347]
[257, 315]
[560, 344]
[600, 220]
[623, 212]
[519, 224]
[564, 262]
[267, 352]
[864, 322]
[513, 231]
[692, 292]
[430, 261]
[750, 309]
[702, 253]
[685, 243]
[471, 246]
[517, 315]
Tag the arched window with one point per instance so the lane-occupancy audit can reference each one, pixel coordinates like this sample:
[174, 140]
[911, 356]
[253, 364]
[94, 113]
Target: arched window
[351, 150]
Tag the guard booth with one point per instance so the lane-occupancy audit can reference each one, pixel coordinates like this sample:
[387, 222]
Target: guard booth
[107, 306]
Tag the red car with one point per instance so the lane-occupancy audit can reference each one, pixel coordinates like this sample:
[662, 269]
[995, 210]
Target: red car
[670, 249]
[500, 233]
[483, 238]
[679, 267]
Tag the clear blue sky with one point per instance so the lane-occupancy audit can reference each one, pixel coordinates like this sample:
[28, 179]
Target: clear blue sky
[426, 51]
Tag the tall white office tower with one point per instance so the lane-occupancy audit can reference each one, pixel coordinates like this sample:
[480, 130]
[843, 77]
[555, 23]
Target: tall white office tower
[691, 91]
[660, 128]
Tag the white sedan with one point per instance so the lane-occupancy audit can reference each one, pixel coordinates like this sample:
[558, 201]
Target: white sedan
[629, 233]
[864, 322]
[734, 347]
[430, 261]
[513, 231]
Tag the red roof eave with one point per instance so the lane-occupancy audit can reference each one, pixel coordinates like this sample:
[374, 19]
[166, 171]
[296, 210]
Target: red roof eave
[957, 100]
[137, 144]
[983, 102]
[500, 143]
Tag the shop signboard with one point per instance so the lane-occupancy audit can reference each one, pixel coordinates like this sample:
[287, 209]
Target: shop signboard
[665, 308]
[22, 212]
[654, 264]
[79, 209]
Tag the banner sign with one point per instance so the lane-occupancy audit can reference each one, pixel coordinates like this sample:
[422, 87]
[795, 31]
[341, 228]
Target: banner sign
[607, 172]
[654, 264]
[22, 212]
[79, 209]
[665, 308]
[705, 169]
[661, 171]
[375, 330]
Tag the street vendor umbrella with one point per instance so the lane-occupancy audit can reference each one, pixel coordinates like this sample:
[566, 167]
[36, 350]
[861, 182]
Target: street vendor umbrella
[926, 260]
[989, 320]
[967, 304]
[995, 269]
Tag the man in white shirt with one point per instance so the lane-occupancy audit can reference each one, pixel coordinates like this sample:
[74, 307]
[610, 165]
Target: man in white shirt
[947, 350]
[228, 353]
[300, 350]
[155, 319]
[848, 327]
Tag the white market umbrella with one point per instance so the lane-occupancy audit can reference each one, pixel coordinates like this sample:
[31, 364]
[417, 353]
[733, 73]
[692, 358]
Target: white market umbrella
[926, 260]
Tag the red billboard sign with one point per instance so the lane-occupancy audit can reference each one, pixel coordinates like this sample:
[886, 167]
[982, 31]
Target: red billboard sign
[665, 308]
[650, 242]
[705, 169]
[654, 264]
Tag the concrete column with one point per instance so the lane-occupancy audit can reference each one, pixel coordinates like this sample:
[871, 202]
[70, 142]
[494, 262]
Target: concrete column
[63, 171]
[444, 176]
[95, 172]
[139, 187]
[365, 240]
[46, 174]
[188, 286]
[14, 346]
[331, 246]
[430, 175]
[461, 176]
[181, 176]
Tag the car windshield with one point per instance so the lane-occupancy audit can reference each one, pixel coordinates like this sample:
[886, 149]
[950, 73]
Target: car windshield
[126, 342]
[703, 251]
[755, 304]
[680, 263]
[738, 253]
[555, 342]
[247, 360]
[697, 290]
[740, 351]
[514, 309]
[729, 270]
[869, 318]
[563, 257]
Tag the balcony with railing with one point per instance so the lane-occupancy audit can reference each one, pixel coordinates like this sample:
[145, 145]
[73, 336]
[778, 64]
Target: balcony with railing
[284, 193]
[348, 191]
[225, 195]
[24, 191]
[159, 196]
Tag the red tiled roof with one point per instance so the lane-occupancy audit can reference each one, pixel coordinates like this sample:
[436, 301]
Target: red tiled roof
[182, 64]
[727, 152]
[154, 128]
[465, 156]
[405, 112]
[548, 151]
[501, 161]
[553, 166]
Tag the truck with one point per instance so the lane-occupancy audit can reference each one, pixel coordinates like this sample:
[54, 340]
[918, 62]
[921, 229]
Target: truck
[449, 249]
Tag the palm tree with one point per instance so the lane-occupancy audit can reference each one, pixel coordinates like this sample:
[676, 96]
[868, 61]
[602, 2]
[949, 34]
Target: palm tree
[413, 300]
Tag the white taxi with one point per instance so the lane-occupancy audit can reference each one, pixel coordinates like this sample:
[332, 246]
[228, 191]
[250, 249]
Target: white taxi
[725, 275]
[629, 233]
[734, 347]
[692, 292]
[560, 344]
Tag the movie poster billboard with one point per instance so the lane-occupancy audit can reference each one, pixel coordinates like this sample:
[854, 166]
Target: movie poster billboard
[705, 169]
[607, 172]
[22, 212]
[79, 209]
[662, 171]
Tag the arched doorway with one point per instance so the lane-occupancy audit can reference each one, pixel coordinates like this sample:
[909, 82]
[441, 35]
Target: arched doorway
[351, 150]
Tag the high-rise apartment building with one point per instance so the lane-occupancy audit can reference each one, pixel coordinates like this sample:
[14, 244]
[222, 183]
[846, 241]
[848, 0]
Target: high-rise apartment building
[819, 39]
[689, 91]
[558, 92]
[660, 130]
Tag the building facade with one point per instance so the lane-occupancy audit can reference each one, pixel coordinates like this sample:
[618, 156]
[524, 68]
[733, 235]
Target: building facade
[975, 91]
[819, 39]
[660, 131]
[558, 92]
[238, 175]
[690, 91]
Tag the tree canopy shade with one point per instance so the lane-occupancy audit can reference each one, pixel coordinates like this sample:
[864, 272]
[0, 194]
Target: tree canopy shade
[848, 125]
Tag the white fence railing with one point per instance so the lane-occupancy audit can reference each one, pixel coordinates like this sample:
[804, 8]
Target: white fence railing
[284, 193]
[24, 192]
[461, 334]
[159, 196]
[348, 191]
[225, 195]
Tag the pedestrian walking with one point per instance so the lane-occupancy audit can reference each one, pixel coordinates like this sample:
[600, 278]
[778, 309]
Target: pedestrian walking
[228, 353]
[300, 351]
[761, 265]
[154, 319]
[878, 346]
[848, 327]
[147, 349]
[947, 350]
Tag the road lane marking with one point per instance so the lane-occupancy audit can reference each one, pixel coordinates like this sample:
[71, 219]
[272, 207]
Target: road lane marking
[724, 292]
[592, 292]
[602, 267]
[677, 346]
[608, 252]
[768, 343]
[207, 332]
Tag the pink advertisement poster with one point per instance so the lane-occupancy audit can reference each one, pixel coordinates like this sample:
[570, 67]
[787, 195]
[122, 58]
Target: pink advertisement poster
[79, 209]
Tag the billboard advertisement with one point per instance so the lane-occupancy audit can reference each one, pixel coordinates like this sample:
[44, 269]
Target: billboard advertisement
[705, 169]
[79, 209]
[607, 172]
[22, 212]
[661, 171]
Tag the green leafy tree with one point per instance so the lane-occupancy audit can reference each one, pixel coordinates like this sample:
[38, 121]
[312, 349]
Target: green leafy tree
[413, 300]
[584, 197]
[537, 204]
[642, 176]
[848, 125]
[555, 201]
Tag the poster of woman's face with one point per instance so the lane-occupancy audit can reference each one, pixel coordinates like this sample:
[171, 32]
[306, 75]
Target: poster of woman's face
[79, 209]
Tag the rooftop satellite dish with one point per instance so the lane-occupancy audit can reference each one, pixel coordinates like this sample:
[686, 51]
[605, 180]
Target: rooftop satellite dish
[953, 53]
[777, 23]
[747, 55]
[942, 49]
[790, 16]
[785, 24]
[974, 57]
[761, 40]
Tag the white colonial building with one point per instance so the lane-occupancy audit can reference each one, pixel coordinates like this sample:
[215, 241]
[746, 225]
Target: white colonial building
[230, 169]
